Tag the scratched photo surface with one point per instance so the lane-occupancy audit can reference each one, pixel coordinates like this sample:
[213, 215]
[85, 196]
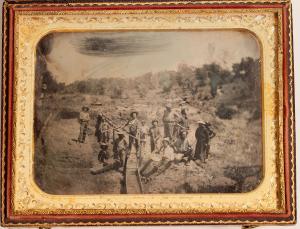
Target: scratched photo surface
[140, 112]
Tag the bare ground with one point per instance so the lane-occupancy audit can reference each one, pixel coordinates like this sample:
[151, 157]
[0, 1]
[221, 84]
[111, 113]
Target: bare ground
[62, 166]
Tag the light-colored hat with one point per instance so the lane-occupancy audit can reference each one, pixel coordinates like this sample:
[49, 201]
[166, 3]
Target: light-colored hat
[201, 122]
[103, 144]
[168, 105]
[167, 139]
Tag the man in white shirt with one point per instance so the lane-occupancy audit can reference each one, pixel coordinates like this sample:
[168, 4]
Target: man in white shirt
[159, 162]
[84, 118]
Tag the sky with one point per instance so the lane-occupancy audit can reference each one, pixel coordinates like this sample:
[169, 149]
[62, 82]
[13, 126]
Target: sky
[83, 55]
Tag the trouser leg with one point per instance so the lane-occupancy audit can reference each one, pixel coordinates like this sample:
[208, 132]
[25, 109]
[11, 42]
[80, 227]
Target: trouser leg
[151, 172]
[202, 153]
[121, 157]
[82, 133]
[166, 129]
[152, 146]
[136, 145]
[145, 167]
[130, 143]
[197, 152]
[171, 130]
[207, 150]
[163, 167]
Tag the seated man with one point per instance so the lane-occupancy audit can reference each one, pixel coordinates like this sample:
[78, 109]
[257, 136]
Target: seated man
[160, 161]
[183, 147]
[103, 154]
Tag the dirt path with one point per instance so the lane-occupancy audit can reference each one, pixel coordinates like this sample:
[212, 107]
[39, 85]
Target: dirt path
[66, 163]
[133, 184]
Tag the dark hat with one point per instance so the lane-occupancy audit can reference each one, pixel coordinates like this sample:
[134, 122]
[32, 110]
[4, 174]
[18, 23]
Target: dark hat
[183, 111]
[155, 120]
[133, 113]
[85, 108]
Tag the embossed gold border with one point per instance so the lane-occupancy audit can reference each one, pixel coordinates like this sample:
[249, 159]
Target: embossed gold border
[30, 26]
[273, 112]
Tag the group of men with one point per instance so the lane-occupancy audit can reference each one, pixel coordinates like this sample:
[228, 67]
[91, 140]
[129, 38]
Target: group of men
[170, 147]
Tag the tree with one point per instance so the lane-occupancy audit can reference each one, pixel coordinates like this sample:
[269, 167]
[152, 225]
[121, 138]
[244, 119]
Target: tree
[201, 76]
[82, 87]
[117, 93]
[50, 82]
[249, 71]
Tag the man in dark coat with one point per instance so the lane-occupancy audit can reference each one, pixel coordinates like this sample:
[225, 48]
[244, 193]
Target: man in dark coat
[203, 135]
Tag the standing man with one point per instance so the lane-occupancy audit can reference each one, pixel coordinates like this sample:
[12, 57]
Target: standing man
[119, 149]
[169, 121]
[203, 136]
[104, 132]
[143, 136]
[84, 118]
[155, 136]
[183, 123]
[211, 135]
[133, 125]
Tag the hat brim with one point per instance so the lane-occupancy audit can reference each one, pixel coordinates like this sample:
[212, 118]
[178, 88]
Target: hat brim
[134, 112]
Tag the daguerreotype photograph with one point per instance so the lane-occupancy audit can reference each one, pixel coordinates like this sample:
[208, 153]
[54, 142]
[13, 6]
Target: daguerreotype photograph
[148, 112]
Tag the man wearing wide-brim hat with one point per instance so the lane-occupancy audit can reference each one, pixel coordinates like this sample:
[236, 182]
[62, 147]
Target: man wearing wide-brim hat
[133, 125]
[168, 121]
[159, 162]
[155, 136]
[119, 148]
[84, 118]
[203, 136]
[134, 113]
[183, 147]
[103, 154]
